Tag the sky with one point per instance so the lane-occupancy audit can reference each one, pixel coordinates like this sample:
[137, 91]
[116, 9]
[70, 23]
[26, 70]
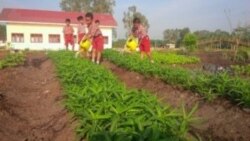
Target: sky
[166, 14]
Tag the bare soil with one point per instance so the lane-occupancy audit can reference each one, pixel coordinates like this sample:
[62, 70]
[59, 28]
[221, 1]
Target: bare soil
[31, 106]
[219, 120]
[219, 58]
[3, 53]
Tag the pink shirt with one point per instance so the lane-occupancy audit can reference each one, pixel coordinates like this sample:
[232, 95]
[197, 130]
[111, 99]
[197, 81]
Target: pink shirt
[68, 30]
[94, 30]
[140, 32]
[81, 29]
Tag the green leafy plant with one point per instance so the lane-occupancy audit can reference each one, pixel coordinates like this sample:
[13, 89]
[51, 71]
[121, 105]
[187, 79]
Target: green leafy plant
[12, 60]
[241, 70]
[173, 58]
[190, 41]
[210, 86]
[107, 111]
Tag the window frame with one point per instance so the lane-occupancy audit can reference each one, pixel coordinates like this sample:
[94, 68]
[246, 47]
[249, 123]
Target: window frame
[51, 40]
[38, 41]
[15, 40]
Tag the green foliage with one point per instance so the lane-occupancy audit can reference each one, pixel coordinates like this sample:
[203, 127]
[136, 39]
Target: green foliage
[119, 43]
[107, 111]
[206, 35]
[173, 58]
[97, 6]
[243, 32]
[190, 41]
[157, 43]
[12, 60]
[2, 32]
[130, 15]
[210, 86]
[175, 36]
[241, 70]
[242, 56]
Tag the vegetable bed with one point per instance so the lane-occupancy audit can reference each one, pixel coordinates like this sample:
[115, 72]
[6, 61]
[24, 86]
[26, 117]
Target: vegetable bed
[209, 86]
[107, 111]
[173, 58]
[12, 60]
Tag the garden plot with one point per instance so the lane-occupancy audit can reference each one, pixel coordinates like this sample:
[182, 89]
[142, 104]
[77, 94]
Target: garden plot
[108, 111]
[219, 120]
[31, 103]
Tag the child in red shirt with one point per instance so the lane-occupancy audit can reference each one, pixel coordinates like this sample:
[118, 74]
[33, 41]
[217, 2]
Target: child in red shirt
[140, 32]
[95, 34]
[68, 32]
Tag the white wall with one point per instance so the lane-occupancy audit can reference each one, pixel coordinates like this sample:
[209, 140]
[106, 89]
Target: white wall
[45, 30]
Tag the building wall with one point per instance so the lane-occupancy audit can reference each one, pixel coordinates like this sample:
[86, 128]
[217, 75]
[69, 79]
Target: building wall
[45, 30]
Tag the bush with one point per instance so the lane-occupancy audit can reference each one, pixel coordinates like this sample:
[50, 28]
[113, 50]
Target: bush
[242, 56]
[190, 41]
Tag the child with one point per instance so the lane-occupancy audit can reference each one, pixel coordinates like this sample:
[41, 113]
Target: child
[81, 28]
[95, 34]
[81, 33]
[144, 42]
[68, 32]
[131, 38]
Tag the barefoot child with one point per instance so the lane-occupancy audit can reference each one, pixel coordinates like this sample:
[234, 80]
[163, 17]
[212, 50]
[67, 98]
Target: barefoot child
[144, 42]
[95, 34]
[68, 32]
[81, 33]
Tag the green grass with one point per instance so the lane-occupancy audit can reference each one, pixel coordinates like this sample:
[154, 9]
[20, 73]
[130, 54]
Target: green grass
[107, 111]
[241, 70]
[173, 58]
[12, 60]
[235, 89]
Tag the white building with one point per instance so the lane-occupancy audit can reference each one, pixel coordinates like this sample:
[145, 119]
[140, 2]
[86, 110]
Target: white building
[42, 30]
[171, 46]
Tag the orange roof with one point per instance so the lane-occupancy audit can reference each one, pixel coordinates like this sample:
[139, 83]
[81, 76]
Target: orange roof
[45, 16]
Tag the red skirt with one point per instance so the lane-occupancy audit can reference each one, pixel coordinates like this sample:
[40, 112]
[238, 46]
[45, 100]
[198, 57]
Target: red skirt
[69, 39]
[80, 36]
[145, 44]
[98, 43]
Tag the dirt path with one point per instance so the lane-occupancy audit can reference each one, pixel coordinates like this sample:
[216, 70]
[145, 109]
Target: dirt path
[31, 103]
[221, 121]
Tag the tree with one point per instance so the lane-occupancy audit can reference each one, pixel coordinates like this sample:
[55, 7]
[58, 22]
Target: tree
[183, 32]
[130, 15]
[175, 36]
[190, 41]
[98, 6]
[103, 6]
[243, 33]
[203, 34]
[2, 32]
[171, 35]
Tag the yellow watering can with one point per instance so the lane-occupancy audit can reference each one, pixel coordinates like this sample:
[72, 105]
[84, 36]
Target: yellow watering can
[86, 44]
[132, 43]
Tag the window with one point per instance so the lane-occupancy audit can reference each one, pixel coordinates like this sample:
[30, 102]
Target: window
[106, 40]
[54, 38]
[17, 37]
[36, 38]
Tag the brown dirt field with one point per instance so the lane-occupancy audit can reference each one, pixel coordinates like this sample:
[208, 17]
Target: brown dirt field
[220, 120]
[3, 53]
[31, 106]
[216, 58]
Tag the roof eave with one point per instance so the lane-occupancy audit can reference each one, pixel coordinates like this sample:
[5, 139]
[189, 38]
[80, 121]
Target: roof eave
[47, 23]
